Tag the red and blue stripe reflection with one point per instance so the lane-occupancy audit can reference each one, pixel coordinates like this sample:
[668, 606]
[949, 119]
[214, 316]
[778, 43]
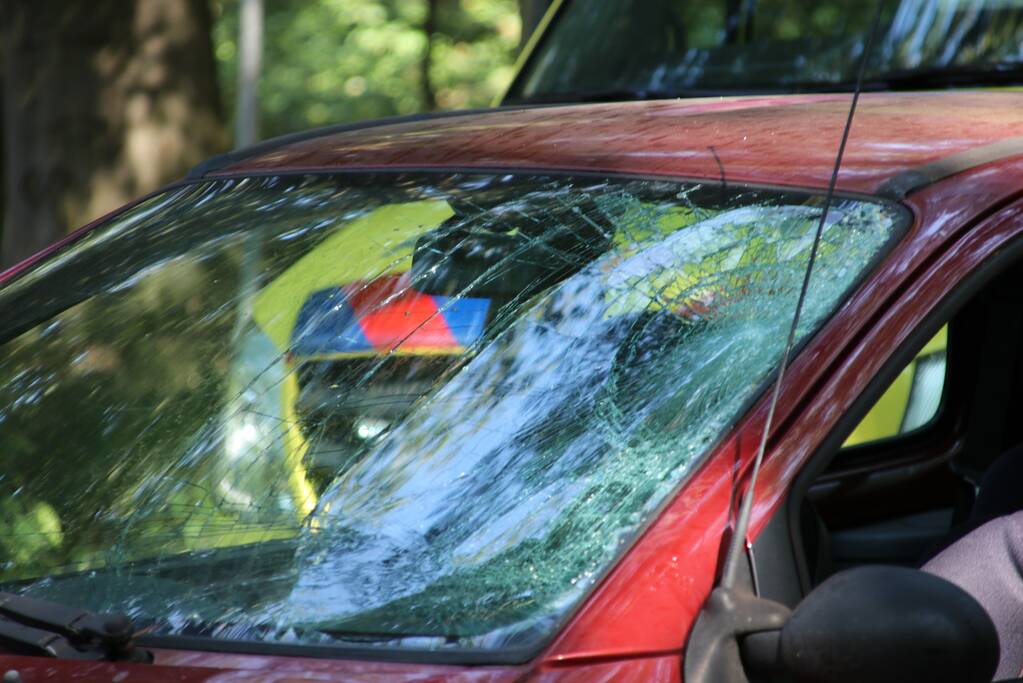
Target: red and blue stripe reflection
[385, 315]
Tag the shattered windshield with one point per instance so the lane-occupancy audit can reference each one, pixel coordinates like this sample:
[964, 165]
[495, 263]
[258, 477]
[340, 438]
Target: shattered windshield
[412, 410]
[618, 49]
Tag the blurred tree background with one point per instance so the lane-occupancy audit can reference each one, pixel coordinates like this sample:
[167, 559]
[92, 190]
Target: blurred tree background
[342, 60]
[108, 100]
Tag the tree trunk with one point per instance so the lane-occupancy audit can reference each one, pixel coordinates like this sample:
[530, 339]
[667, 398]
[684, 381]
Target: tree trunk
[103, 101]
[531, 12]
[250, 63]
[429, 27]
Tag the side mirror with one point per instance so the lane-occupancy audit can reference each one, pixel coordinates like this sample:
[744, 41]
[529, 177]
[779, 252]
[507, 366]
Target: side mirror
[879, 624]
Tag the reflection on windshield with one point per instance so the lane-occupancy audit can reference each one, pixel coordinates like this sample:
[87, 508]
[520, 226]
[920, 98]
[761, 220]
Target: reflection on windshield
[465, 394]
[637, 48]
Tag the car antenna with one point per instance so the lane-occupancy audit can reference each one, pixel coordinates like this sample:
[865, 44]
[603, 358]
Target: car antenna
[731, 611]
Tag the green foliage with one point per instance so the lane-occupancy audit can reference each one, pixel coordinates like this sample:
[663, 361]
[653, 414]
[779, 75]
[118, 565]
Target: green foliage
[330, 61]
[473, 51]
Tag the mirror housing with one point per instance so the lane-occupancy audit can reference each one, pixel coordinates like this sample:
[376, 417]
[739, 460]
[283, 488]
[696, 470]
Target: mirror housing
[880, 624]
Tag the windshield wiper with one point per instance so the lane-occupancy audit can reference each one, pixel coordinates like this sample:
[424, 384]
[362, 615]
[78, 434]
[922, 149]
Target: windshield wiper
[947, 77]
[1007, 73]
[49, 629]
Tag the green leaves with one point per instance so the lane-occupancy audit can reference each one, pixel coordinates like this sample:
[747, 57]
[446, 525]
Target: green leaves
[333, 61]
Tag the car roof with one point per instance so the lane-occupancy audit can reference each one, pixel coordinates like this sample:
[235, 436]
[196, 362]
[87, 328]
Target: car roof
[898, 141]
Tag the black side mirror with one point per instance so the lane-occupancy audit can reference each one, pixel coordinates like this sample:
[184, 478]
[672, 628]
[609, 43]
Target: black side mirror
[879, 624]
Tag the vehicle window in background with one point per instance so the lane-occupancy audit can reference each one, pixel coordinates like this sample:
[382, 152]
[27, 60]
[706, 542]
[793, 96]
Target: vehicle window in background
[911, 401]
[420, 410]
[649, 48]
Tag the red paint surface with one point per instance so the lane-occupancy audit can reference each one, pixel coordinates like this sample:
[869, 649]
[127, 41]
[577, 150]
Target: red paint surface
[777, 140]
[209, 668]
[635, 624]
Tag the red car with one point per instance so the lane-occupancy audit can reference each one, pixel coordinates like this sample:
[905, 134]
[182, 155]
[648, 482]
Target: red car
[474, 397]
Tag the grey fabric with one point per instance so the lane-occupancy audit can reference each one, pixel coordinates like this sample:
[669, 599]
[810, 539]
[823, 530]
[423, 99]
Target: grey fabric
[988, 564]
[999, 493]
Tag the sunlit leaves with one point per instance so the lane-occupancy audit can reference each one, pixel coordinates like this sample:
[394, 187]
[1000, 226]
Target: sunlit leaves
[342, 60]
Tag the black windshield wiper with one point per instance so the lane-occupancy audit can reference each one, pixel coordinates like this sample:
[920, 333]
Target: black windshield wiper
[49, 629]
[947, 77]
[1008, 73]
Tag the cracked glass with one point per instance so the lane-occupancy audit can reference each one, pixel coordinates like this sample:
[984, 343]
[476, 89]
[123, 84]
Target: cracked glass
[396, 410]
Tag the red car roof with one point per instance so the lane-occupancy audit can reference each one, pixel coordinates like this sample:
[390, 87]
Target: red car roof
[784, 140]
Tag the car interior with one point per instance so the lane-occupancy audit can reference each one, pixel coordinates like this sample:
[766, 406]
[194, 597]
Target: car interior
[948, 460]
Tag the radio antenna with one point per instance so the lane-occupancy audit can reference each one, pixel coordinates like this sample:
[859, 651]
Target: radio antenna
[732, 611]
[736, 548]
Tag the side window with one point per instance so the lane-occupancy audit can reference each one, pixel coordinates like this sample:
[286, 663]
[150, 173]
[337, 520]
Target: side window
[911, 401]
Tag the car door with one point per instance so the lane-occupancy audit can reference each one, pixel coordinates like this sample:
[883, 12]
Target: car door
[894, 478]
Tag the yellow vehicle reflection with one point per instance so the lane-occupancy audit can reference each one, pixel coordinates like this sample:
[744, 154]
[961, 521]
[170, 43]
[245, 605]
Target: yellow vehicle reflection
[328, 275]
[328, 425]
[911, 401]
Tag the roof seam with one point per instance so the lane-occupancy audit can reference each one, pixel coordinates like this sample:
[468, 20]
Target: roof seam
[899, 186]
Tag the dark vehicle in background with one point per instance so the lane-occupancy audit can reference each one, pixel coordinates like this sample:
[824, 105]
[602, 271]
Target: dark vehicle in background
[646, 49]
